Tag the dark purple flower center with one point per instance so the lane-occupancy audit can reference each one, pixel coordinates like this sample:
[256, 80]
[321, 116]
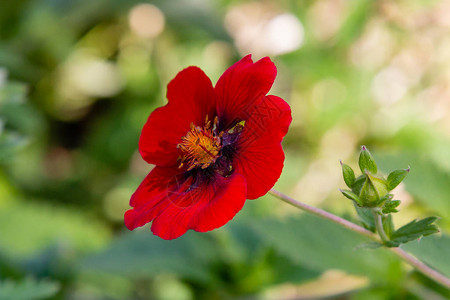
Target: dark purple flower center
[209, 150]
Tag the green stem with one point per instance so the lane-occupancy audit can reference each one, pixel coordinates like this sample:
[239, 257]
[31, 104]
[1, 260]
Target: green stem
[379, 226]
[405, 256]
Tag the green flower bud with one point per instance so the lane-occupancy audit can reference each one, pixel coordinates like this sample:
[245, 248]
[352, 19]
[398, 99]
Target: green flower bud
[373, 192]
[370, 190]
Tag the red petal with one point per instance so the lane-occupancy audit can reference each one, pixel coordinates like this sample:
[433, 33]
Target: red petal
[149, 199]
[191, 97]
[260, 156]
[176, 205]
[241, 86]
[211, 206]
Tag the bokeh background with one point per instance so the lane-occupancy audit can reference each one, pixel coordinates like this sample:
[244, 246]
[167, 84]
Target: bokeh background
[78, 78]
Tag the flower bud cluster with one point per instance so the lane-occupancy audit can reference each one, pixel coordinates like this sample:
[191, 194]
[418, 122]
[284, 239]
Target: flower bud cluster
[372, 190]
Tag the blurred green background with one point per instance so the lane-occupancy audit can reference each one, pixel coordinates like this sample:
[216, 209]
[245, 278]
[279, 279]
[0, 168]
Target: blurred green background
[78, 78]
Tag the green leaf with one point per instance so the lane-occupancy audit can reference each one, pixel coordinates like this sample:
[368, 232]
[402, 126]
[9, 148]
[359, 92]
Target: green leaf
[366, 161]
[352, 196]
[395, 177]
[253, 264]
[50, 226]
[321, 244]
[428, 183]
[10, 143]
[17, 113]
[349, 175]
[415, 230]
[366, 217]
[140, 253]
[432, 250]
[385, 198]
[390, 206]
[236, 248]
[27, 289]
[12, 93]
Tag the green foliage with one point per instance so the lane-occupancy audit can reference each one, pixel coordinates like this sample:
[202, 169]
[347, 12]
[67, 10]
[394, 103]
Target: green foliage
[366, 217]
[18, 120]
[69, 159]
[9, 143]
[432, 251]
[50, 226]
[140, 254]
[414, 230]
[368, 190]
[320, 244]
[390, 206]
[12, 93]
[428, 183]
[238, 253]
[372, 198]
[27, 289]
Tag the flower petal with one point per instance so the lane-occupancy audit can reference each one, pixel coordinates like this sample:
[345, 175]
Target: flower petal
[241, 86]
[260, 156]
[191, 97]
[149, 199]
[211, 206]
[177, 204]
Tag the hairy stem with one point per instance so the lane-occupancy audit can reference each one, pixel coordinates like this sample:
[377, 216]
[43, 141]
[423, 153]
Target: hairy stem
[420, 266]
[321, 213]
[379, 226]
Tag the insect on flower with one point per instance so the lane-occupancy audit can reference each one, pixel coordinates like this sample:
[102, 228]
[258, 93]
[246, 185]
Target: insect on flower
[212, 147]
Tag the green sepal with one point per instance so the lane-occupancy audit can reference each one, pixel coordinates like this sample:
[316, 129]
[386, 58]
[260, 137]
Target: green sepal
[367, 162]
[352, 196]
[358, 184]
[390, 206]
[395, 177]
[349, 175]
[415, 230]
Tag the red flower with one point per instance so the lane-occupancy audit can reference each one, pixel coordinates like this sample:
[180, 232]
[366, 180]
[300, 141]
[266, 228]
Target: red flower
[213, 147]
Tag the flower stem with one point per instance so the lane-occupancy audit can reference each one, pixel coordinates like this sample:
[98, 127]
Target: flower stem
[379, 226]
[420, 266]
[322, 213]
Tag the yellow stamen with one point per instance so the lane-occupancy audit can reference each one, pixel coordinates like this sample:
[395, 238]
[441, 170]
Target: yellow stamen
[201, 146]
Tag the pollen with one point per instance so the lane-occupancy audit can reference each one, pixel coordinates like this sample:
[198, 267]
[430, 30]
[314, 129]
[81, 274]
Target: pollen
[201, 146]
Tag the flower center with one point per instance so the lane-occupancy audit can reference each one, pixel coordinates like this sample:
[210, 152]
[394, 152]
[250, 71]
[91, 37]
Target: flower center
[201, 145]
